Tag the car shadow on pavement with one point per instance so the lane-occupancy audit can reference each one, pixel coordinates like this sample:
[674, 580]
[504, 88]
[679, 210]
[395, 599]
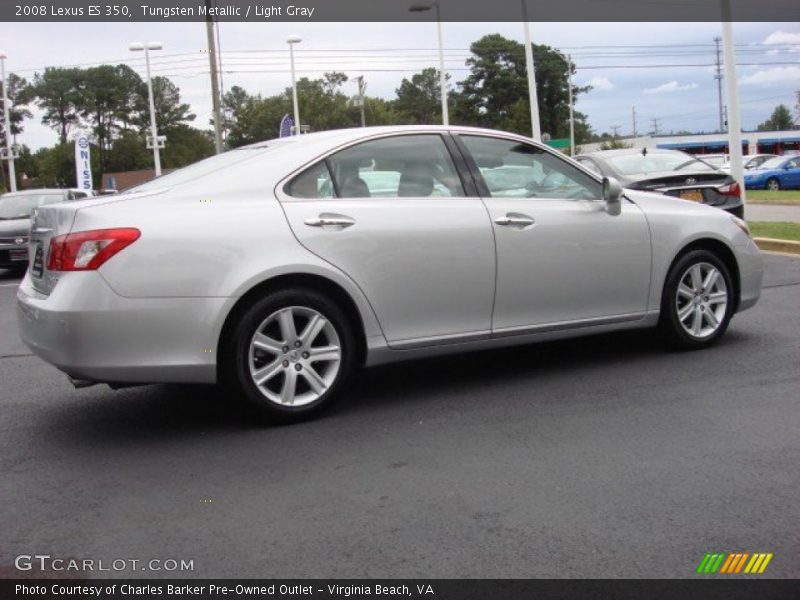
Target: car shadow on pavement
[134, 415]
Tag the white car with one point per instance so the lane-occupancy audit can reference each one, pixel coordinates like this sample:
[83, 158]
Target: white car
[278, 268]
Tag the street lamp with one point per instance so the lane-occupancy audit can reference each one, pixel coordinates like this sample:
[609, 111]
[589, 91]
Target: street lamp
[292, 40]
[155, 138]
[568, 60]
[424, 7]
[533, 97]
[9, 151]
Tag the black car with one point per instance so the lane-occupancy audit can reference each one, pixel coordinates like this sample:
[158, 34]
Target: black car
[15, 221]
[668, 172]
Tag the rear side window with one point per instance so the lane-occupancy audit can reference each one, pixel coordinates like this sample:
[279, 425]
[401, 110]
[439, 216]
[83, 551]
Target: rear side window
[314, 182]
[407, 166]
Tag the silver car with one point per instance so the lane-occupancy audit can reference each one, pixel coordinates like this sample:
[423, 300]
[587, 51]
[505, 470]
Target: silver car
[278, 268]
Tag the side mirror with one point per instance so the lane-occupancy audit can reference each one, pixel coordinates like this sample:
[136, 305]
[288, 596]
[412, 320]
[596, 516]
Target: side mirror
[612, 196]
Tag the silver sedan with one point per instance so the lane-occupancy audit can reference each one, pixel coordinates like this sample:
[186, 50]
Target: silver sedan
[277, 269]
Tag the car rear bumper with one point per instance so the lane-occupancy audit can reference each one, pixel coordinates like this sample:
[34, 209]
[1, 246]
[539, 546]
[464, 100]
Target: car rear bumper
[88, 331]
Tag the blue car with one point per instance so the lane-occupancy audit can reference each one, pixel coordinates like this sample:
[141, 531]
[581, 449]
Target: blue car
[779, 173]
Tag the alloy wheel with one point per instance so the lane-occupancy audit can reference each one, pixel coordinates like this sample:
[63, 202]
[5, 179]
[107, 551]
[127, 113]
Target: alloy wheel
[294, 356]
[701, 300]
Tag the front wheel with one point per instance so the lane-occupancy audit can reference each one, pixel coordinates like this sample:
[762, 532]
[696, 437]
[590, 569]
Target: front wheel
[289, 354]
[697, 303]
[773, 185]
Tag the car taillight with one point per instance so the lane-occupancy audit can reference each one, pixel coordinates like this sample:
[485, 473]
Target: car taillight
[87, 250]
[732, 189]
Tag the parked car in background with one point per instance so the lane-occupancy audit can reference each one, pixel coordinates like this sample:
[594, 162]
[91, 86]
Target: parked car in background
[669, 172]
[750, 161]
[355, 247]
[15, 221]
[779, 173]
[718, 161]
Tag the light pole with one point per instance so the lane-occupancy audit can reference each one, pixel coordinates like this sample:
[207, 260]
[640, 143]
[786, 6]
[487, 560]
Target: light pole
[292, 40]
[12, 172]
[424, 7]
[568, 60]
[734, 117]
[533, 97]
[155, 138]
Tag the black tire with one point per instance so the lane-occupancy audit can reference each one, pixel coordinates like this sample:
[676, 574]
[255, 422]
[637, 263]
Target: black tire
[236, 359]
[670, 325]
[773, 184]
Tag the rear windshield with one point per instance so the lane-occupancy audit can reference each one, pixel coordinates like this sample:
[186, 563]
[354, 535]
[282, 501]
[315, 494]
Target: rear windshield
[19, 206]
[206, 166]
[654, 162]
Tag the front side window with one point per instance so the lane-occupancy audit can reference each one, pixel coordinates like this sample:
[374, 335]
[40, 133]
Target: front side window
[407, 166]
[514, 169]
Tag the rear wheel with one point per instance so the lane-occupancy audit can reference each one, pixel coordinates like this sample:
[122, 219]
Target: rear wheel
[697, 303]
[289, 354]
[773, 184]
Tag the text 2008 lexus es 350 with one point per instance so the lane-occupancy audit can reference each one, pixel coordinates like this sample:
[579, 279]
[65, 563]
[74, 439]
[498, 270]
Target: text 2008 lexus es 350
[278, 268]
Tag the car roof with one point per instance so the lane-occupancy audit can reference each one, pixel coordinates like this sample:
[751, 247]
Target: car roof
[629, 151]
[37, 191]
[343, 136]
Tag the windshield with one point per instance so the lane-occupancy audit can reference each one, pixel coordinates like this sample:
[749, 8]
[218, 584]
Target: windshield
[655, 162]
[773, 163]
[204, 167]
[19, 206]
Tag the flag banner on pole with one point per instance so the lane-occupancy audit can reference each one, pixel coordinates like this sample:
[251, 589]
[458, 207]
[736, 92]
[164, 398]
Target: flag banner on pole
[287, 123]
[83, 163]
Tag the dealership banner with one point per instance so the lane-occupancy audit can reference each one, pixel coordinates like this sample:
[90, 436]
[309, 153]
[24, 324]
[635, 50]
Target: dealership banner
[83, 163]
[305, 11]
[402, 589]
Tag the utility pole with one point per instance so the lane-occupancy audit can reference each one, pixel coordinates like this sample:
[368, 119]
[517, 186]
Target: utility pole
[362, 88]
[633, 112]
[615, 129]
[655, 125]
[718, 77]
[213, 62]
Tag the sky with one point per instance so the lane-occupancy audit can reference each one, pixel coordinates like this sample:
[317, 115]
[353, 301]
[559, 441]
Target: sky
[255, 57]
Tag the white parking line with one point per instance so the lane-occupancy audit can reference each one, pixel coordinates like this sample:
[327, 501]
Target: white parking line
[15, 284]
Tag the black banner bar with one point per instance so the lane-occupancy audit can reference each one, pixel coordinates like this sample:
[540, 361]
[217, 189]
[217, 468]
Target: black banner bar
[259, 11]
[733, 588]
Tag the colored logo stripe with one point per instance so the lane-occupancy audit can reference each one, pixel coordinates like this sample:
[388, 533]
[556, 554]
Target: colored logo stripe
[722, 562]
[758, 563]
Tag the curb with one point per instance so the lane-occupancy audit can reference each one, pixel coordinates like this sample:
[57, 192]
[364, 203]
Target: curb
[774, 245]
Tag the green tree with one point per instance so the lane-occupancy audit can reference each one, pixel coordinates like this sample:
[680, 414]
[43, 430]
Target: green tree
[170, 111]
[105, 90]
[495, 94]
[780, 119]
[186, 145]
[56, 166]
[57, 93]
[419, 99]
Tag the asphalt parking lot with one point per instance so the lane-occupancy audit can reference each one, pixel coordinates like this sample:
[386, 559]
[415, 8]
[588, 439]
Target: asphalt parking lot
[601, 457]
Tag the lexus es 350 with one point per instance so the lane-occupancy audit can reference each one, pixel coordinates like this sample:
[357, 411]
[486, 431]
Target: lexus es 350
[278, 268]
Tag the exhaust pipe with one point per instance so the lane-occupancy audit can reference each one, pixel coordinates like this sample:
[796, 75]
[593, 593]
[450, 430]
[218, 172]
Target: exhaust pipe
[81, 383]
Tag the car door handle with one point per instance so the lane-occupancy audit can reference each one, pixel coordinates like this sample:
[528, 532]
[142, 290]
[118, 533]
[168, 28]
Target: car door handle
[517, 220]
[331, 221]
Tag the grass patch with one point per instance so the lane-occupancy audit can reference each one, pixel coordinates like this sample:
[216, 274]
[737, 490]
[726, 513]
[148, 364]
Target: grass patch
[786, 197]
[778, 231]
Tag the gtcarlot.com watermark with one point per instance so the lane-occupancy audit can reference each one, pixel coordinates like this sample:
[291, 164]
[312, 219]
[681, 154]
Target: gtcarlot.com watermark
[46, 562]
